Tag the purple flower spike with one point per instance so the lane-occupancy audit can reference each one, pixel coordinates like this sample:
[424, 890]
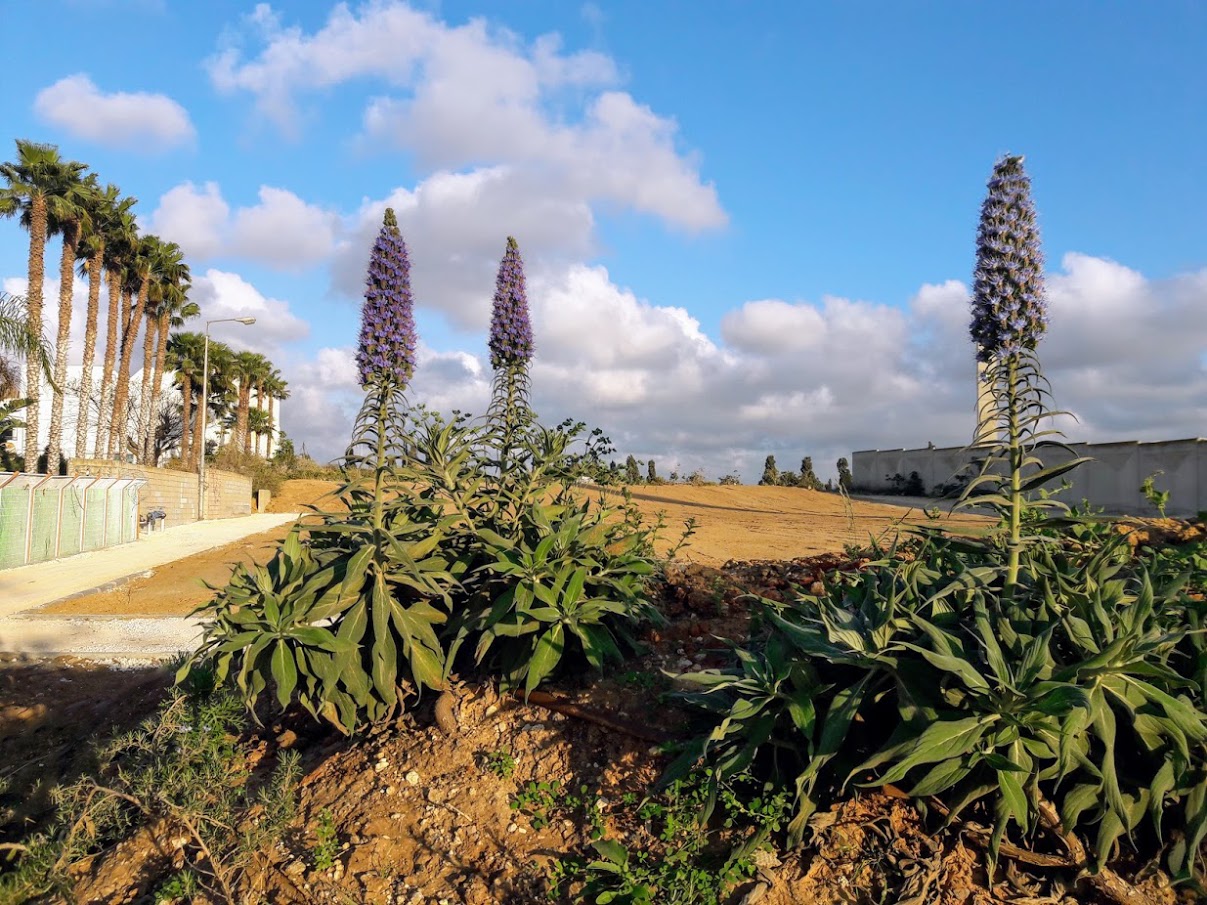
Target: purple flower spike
[510, 329]
[1009, 309]
[386, 353]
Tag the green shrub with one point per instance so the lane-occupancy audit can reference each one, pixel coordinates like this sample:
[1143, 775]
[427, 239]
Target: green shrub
[1075, 691]
[471, 566]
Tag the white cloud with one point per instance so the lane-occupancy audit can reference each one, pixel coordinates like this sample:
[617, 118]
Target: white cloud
[221, 294]
[196, 220]
[282, 231]
[472, 96]
[138, 121]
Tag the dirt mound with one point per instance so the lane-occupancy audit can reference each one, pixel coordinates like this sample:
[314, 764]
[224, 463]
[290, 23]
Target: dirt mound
[298, 494]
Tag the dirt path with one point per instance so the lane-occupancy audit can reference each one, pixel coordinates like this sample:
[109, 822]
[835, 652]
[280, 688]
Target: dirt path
[734, 522]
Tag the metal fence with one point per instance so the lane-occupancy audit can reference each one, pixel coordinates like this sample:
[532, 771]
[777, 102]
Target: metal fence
[47, 516]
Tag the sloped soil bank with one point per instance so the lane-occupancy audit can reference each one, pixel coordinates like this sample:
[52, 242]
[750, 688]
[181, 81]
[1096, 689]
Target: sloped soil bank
[437, 807]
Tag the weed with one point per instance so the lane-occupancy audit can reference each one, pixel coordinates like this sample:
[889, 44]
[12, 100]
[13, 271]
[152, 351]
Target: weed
[695, 843]
[326, 849]
[182, 885]
[499, 762]
[542, 802]
[1156, 498]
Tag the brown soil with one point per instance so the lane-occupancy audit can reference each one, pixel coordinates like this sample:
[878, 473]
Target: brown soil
[733, 523]
[422, 816]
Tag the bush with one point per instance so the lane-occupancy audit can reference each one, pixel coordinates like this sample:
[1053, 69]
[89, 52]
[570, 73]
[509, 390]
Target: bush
[1073, 701]
[471, 566]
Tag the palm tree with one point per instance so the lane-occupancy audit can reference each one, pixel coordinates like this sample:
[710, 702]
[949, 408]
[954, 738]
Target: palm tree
[258, 424]
[185, 356]
[34, 178]
[107, 206]
[17, 335]
[174, 310]
[138, 280]
[68, 216]
[246, 368]
[169, 276]
[120, 241]
[277, 390]
[220, 390]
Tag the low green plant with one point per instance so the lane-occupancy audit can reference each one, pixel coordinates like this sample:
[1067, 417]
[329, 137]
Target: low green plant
[499, 762]
[1158, 499]
[181, 769]
[181, 886]
[326, 846]
[695, 843]
[544, 801]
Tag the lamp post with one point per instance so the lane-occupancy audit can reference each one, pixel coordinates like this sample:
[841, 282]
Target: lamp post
[205, 406]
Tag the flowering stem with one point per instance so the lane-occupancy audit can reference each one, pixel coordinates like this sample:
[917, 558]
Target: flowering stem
[380, 465]
[1014, 544]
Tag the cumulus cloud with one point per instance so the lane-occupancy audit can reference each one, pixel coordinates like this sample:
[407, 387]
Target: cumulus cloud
[221, 294]
[195, 219]
[138, 121]
[282, 231]
[472, 96]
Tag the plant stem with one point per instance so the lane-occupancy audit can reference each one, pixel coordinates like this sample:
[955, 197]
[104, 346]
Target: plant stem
[380, 466]
[1014, 544]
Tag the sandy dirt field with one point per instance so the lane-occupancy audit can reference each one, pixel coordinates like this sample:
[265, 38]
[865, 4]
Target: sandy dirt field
[733, 523]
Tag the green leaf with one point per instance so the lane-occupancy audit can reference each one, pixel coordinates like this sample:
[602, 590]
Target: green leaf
[545, 657]
[284, 672]
[939, 741]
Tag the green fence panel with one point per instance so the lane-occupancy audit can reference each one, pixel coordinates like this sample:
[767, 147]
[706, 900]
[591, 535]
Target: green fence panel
[71, 520]
[45, 528]
[94, 513]
[14, 515]
[130, 514]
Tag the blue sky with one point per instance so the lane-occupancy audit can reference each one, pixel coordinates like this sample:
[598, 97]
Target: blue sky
[749, 226]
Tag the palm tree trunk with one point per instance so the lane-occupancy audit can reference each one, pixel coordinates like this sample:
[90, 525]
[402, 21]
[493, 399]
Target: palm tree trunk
[33, 375]
[71, 238]
[272, 427]
[144, 399]
[157, 386]
[104, 414]
[242, 414]
[186, 426]
[94, 300]
[121, 395]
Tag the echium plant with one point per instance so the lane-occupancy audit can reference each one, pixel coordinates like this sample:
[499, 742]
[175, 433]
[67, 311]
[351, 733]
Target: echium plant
[1009, 317]
[511, 349]
[334, 621]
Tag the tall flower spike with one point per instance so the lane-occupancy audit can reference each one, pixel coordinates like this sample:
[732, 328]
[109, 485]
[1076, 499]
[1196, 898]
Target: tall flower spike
[510, 328]
[386, 353]
[1009, 309]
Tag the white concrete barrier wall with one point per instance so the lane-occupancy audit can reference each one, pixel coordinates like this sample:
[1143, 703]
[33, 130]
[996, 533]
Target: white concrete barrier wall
[1111, 481]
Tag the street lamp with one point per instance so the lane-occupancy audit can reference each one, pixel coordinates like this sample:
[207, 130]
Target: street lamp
[205, 406]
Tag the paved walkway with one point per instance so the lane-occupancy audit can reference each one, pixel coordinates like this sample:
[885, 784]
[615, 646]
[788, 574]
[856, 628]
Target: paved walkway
[24, 590]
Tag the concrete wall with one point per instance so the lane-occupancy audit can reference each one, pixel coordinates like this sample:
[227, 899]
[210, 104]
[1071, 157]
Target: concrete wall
[176, 491]
[1111, 481]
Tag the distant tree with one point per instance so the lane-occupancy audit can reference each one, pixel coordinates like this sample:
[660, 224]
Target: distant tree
[632, 475]
[771, 474]
[730, 479]
[844, 474]
[808, 478]
[651, 474]
[789, 479]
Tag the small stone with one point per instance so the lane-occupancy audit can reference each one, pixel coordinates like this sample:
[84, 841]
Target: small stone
[492, 709]
[381, 765]
[412, 777]
[512, 827]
